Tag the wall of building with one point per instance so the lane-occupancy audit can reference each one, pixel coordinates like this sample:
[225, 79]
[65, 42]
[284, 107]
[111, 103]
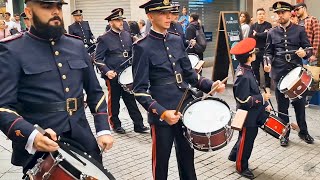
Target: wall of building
[313, 7]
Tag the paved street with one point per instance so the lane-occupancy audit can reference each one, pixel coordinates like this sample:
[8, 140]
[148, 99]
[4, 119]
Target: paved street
[130, 158]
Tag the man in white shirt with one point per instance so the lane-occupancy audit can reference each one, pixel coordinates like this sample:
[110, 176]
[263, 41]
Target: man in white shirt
[9, 24]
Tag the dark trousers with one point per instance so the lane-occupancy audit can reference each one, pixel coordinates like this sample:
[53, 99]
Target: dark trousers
[299, 109]
[242, 150]
[256, 69]
[162, 140]
[115, 92]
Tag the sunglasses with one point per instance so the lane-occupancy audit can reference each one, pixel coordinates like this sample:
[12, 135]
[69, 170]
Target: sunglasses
[297, 9]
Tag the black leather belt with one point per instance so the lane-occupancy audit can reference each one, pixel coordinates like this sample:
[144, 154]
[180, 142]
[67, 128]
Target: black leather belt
[71, 105]
[288, 57]
[165, 81]
[123, 54]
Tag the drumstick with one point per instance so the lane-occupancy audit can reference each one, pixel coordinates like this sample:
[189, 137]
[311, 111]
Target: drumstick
[103, 149]
[181, 101]
[293, 51]
[265, 91]
[214, 89]
[44, 133]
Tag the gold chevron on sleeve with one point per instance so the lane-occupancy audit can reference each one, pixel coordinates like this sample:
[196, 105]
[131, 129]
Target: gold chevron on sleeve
[101, 64]
[8, 111]
[142, 94]
[100, 102]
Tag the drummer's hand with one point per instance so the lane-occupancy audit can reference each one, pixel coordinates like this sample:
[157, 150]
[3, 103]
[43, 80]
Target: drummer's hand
[267, 68]
[170, 117]
[111, 74]
[221, 87]
[312, 58]
[193, 42]
[266, 96]
[105, 141]
[301, 52]
[268, 108]
[43, 143]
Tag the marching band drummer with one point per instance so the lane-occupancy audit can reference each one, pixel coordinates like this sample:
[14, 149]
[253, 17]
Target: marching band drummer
[43, 73]
[81, 29]
[161, 69]
[113, 49]
[248, 97]
[287, 36]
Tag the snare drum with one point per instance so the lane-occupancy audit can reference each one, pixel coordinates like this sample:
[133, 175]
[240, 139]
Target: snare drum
[125, 79]
[295, 83]
[276, 127]
[207, 124]
[60, 165]
[196, 63]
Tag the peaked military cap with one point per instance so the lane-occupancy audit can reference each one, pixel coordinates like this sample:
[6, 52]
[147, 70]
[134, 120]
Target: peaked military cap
[24, 16]
[115, 14]
[77, 12]
[245, 46]
[157, 5]
[117, 9]
[47, 1]
[175, 9]
[282, 6]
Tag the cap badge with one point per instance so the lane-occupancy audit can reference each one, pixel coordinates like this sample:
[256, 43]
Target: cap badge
[166, 2]
[278, 5]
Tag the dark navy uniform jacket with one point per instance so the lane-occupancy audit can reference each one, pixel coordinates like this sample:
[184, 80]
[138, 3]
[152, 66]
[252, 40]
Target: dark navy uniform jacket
[176, 28]
[279, 39]
[82, 29]
[35, 70]
[158, 57]
[248, 97]
[111, 50]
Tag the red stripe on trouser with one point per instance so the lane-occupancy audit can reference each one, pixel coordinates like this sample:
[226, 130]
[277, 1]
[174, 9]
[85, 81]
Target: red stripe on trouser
[109, 103]
[240, 150]
[154, 151]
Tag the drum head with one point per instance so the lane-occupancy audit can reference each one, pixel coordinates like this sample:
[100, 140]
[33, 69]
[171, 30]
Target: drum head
[290, 78]
[90, 169]
[206, 116]
[125, 76]
[194, 59]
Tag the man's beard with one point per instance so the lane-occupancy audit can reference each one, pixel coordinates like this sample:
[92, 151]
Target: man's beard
[46, 30]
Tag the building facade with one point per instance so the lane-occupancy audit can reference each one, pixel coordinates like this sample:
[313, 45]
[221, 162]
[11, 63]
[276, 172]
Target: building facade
[95, 11]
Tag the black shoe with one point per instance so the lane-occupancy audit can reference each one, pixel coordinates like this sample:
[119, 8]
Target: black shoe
[247, 174]
[120, 130]
[306, 137]
[232, 158]
[142, 129]
[284, 142]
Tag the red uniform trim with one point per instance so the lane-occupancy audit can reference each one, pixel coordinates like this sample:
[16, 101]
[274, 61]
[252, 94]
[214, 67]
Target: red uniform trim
[154, 151]
[240, 150]
[109, 103]
[14, 122]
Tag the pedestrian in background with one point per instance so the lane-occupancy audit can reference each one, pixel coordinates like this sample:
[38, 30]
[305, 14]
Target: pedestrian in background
[245, 21]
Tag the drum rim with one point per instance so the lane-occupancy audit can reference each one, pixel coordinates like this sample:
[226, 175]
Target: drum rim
[286, 89]
[68, 165]
[200, 99]
[121, 72]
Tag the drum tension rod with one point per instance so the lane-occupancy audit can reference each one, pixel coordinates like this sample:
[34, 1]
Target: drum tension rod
[44, 133]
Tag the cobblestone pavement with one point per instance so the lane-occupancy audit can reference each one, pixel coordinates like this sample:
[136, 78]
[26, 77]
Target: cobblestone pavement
[130, 158]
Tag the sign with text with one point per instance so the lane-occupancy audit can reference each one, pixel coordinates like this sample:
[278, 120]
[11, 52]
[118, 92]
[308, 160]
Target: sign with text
[228, 35]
